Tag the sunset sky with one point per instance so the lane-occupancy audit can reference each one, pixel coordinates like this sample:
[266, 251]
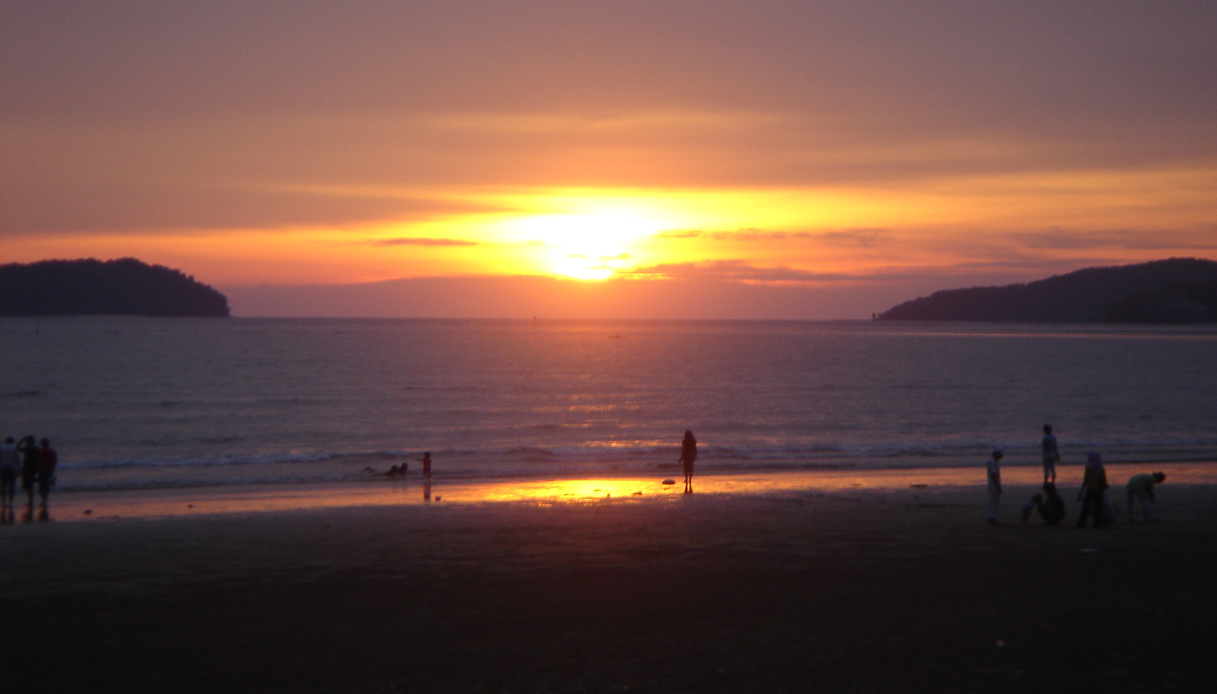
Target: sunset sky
[607, 159]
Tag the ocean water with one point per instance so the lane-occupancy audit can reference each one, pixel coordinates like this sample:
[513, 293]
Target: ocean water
[140, 402]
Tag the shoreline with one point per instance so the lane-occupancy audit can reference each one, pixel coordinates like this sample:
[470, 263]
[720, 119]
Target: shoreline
[346, 467]
[98, 505]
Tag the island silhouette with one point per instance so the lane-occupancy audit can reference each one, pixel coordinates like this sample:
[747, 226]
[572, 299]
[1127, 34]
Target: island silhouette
[1173, 291]
[114, 287]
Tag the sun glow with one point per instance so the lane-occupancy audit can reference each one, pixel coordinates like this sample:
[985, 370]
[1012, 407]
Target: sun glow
[592, 245]
[595, 234]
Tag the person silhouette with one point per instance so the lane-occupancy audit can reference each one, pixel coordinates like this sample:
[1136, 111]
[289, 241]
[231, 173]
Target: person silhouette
[1051, 455]
[27, 451]
[1093, 491]
[9, 466]
[1141, 487]
[688, 455]
[993, 475]
[47, 459]
[1034, 503]
[1052, 510]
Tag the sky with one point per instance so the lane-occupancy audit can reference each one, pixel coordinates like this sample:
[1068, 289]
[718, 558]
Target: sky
[577, 159]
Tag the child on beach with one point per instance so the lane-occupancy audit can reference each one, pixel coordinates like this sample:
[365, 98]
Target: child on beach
[1051, 455]
[1142, 487]
[1031, 504]
[427, 465]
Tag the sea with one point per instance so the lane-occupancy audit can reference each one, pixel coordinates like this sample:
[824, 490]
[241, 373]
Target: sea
[132, 402]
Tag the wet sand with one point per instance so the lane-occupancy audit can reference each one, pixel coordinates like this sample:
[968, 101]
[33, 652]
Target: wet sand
[828, 587]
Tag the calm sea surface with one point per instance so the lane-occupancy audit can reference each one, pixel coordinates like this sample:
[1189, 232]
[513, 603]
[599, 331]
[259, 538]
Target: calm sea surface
[132, 402]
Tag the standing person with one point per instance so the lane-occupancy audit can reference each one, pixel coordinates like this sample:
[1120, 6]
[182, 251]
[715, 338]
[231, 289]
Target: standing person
[28, 453]
[1051, 455]
[47, 459]
[993, 470]
[427, 465]
[8, 473]
[688, 455]
[1094, 488]
[1142, 487]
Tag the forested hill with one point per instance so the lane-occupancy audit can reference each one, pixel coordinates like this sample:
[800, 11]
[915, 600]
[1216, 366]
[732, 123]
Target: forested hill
[113, 287]
[1179, 290]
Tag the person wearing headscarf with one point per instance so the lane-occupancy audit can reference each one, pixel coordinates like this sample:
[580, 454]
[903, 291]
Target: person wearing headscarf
[1094, 488]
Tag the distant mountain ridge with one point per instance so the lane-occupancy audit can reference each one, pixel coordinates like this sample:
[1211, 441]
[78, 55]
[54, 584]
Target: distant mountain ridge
[114, 287]
[1178, 290]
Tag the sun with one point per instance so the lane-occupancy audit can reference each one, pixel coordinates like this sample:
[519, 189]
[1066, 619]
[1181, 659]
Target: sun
[593, 245]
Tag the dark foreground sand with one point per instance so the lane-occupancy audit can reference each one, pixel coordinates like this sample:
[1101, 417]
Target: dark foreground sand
[862, 590]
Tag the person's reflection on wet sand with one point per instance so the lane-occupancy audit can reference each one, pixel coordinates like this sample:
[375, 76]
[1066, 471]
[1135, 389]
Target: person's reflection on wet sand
[427, 490]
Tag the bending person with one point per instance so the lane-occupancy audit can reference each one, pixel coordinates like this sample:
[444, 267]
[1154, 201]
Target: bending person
[1142, 487]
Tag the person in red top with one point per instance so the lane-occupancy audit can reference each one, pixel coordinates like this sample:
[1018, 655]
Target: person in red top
[47, 458]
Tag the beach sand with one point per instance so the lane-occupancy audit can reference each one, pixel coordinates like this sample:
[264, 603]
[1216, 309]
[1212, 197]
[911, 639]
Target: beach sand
[738, 587]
